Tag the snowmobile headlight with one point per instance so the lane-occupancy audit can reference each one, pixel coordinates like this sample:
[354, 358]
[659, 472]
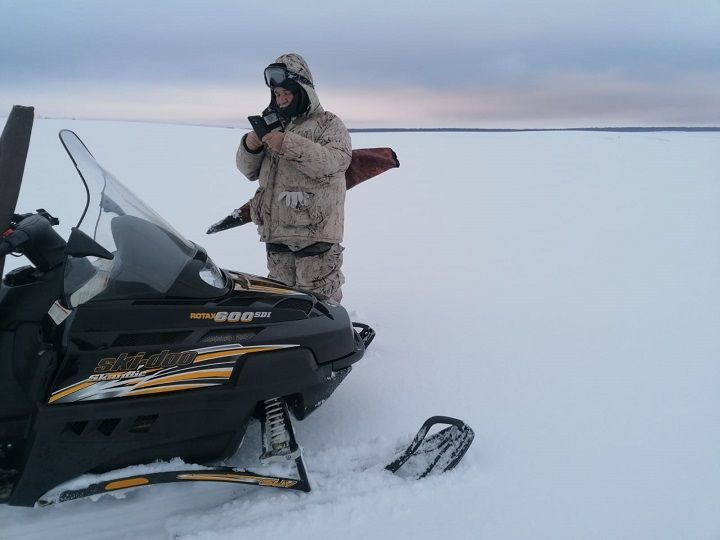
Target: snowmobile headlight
[212, 275]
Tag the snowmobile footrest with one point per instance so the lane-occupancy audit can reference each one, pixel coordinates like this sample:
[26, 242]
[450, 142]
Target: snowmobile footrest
[439, 452]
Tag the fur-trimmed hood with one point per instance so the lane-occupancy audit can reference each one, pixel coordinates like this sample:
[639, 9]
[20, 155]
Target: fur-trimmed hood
[296, 63]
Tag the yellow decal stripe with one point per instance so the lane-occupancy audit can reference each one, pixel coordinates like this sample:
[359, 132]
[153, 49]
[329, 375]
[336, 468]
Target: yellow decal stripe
[122, 484]
[174, 388]
[70, 390]
[221, 354]
[261, 288]
[232, 352]
[240, 478]
[223, 373]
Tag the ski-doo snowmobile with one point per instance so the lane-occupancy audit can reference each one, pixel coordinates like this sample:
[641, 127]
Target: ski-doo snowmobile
[126, 345]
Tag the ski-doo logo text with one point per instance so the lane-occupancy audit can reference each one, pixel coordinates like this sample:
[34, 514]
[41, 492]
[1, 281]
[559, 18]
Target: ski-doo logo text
[135, 362]
[231, 316]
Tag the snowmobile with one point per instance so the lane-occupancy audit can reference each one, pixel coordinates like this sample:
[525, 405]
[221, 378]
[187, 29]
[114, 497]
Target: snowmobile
[125, 345]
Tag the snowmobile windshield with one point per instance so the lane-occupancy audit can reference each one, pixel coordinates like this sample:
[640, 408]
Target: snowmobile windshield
[149, 255]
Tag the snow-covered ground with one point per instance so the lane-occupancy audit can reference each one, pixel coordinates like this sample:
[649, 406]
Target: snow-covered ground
[558, 291]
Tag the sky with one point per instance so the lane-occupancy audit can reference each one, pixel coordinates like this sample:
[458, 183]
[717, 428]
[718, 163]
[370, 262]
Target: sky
[477, 64]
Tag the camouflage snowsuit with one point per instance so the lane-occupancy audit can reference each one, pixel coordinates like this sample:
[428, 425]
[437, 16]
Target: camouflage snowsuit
[315, 154]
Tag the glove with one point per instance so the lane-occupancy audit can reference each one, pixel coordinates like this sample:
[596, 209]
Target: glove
[294, 199]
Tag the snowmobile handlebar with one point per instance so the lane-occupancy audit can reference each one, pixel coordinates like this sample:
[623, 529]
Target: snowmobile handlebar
[34, 237]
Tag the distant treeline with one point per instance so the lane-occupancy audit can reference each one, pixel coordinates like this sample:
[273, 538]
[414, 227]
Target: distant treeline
[508, 130]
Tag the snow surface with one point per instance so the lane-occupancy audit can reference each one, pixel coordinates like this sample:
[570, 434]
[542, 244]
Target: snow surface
[558, 291]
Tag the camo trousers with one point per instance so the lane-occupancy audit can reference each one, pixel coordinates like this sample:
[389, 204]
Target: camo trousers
[318, 273]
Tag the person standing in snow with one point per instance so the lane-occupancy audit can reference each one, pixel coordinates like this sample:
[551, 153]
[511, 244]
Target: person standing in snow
[299, 204]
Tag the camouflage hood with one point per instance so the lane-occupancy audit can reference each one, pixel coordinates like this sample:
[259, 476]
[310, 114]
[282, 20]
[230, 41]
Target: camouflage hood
[296, 63]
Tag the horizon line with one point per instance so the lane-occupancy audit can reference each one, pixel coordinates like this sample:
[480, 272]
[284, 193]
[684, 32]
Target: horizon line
[637, 129]
[609, 128]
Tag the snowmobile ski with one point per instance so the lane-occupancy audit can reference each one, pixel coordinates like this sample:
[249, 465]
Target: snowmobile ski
[437, 453]
[366, 163]
[208, 474]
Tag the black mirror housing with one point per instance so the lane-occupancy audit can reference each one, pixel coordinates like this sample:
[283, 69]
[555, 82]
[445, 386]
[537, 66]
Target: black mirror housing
[81, 245]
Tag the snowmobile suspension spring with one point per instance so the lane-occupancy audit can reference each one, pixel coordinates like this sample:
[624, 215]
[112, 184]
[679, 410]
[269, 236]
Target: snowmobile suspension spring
[278, 436]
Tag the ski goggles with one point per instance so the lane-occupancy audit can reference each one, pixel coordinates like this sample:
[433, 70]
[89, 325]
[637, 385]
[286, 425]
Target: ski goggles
[277, 74]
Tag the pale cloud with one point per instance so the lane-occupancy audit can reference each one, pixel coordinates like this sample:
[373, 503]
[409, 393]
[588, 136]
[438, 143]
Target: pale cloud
[212, 105]
[496, 63]
[565, 100]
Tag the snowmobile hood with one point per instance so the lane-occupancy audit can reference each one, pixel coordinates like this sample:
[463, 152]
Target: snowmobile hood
[296, 63]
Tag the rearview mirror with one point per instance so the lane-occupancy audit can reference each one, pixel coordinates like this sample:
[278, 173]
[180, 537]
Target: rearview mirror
[81, 245]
